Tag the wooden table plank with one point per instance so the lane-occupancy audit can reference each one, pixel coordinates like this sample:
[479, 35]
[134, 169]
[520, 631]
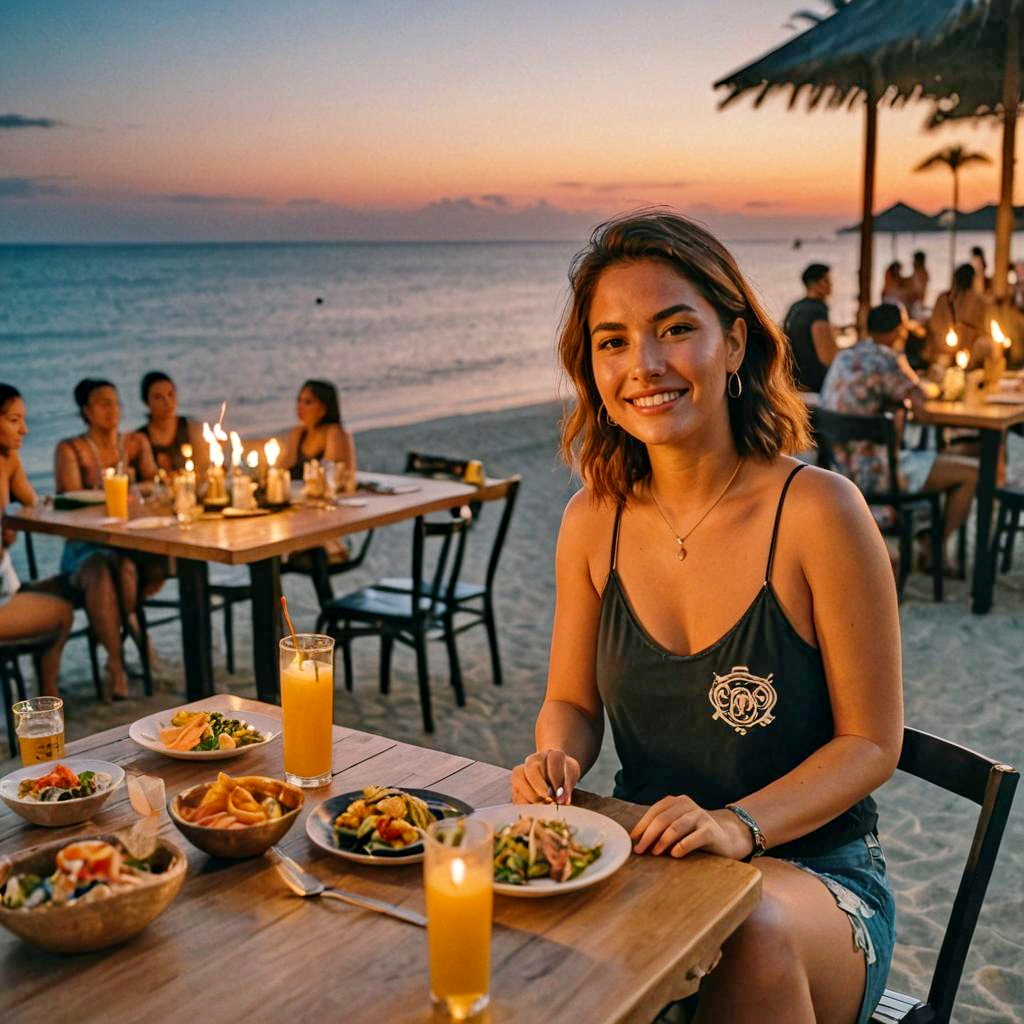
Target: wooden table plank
[236, 941]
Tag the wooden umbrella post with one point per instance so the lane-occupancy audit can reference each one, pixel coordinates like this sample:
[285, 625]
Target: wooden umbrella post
[1004, 213]
[867, 219]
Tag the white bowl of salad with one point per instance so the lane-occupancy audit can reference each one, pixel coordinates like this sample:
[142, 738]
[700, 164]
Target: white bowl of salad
[57, 793]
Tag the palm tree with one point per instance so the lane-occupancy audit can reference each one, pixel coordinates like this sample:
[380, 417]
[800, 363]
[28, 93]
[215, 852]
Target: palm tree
[955, 158]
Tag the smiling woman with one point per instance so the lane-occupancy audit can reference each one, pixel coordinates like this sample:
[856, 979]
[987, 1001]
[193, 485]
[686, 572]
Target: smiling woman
[705, 581]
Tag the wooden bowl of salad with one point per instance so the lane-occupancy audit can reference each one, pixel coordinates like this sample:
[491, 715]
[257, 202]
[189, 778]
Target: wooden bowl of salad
[59, 793]
[86, 894]
[236, 817]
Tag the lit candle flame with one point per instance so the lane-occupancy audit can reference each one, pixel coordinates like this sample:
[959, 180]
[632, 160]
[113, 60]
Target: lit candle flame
[272, 450]
[189, 466]
[186, 451]
[458, 870]
[962, 359]
[236, 449]
[218, 432]
[208, 434]
[951, 339]
[252, 460]
[997, 335]
[216, 455]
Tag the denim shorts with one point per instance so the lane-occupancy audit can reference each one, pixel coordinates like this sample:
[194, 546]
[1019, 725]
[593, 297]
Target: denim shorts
[855, 875]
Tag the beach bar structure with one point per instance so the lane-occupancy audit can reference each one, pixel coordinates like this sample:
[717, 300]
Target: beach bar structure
[963, 54]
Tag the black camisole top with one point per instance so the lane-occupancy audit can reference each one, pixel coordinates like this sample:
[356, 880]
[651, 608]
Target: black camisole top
[724, 722]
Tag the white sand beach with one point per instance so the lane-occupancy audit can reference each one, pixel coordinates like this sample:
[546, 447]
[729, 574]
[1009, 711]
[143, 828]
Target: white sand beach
[963, 681]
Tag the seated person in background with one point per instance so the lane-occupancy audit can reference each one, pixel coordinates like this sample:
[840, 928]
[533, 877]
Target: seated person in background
[319, 434]
[896, 288]
[870, 378]
[967, 313]
[811, 336]
[165, 429]
[37, 608]
[981, 283]
[95, 570]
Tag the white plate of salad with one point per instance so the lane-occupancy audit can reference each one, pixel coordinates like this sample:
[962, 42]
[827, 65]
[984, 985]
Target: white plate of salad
[548, 849]
[202, 735]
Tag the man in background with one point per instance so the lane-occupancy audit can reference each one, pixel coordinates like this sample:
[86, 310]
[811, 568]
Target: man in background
[812, 337]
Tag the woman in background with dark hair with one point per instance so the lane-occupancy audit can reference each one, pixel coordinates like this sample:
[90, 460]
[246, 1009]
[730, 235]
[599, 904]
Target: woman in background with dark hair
[107, 578]
[165, 429]
[43, 606]
[963, 309]
[320, 433]
[733, 612]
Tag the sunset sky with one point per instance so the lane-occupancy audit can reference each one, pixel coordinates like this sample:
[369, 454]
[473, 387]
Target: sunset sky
[395, 119]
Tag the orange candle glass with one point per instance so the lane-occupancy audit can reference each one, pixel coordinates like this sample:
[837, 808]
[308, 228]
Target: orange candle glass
[458, 876]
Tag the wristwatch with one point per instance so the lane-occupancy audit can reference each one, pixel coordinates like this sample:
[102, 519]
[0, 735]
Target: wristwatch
[760, 845]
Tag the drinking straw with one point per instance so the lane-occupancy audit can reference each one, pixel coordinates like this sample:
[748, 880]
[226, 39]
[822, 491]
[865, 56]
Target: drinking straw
[295, 639]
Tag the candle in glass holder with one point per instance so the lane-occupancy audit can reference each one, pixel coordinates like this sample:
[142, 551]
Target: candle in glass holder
[458, 877]
[278, 489]
[954, 381]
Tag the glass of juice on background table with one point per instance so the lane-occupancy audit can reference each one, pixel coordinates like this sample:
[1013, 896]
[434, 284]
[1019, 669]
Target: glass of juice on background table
[115, 489]
[307, 706]
[39, 726]
[458, 877]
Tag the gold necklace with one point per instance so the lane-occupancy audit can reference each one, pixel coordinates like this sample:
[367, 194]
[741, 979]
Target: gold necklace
[681, 540]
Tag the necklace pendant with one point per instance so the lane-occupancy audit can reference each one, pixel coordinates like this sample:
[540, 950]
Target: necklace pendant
[681, 553]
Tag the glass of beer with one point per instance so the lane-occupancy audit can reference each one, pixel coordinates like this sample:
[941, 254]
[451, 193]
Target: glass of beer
[39, 725]
[115, 489]
[307, 706]
[458, 876]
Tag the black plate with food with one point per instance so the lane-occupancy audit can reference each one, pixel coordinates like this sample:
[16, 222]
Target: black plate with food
[378, 824]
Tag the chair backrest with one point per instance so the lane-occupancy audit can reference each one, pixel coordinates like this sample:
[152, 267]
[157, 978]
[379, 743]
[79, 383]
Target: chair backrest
[834, 428]
[991, 785]
[511, 486]
[444, 577]
[435, 465]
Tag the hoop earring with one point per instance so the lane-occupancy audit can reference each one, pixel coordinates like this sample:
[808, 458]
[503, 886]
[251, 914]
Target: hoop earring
[603, 412]
[734, 379]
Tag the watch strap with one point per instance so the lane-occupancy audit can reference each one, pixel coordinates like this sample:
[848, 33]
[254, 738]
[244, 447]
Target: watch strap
[760, 844]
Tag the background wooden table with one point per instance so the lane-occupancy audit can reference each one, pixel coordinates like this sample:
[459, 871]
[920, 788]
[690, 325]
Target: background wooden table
[992, 420]
[236, 944]
[258, 542]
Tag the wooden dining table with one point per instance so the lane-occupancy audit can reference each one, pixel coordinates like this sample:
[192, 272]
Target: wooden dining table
[992, 420]
[237, 944]
[258, 542]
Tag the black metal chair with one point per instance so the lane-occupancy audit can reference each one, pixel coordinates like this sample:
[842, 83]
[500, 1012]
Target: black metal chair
[991, 785]
[12, 681]
[474, 602]
[393, 616]
[1008, 524]
[834, 428]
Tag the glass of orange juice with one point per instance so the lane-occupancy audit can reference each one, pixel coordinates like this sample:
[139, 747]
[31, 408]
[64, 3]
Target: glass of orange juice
[458, 876]
[307, 705]
[115, 489]
[39, 726]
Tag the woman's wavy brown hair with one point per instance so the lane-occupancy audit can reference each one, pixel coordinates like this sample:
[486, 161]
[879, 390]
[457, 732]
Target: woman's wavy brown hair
[768, 418]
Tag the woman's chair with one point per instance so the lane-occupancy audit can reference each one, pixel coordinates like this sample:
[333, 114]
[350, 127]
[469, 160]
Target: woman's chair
[834, 428]
[990, 785]
[393, 616]
[12, 681]
[1008, 524]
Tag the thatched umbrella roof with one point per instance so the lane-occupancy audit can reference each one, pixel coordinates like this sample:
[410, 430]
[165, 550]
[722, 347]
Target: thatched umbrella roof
[894, 50]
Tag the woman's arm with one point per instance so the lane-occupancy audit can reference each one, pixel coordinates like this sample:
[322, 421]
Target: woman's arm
[570, 725]
[67, 473]
[290, 455]
[856, 619]
[142, 457]
[340, 446]
[21, 489]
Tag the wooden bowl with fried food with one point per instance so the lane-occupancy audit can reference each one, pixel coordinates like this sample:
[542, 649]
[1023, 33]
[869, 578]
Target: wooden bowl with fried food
[236, 817]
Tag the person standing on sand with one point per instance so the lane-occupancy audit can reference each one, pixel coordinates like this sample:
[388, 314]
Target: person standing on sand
[810, 334]
[919, 278]
[44, 606]
[704, 586]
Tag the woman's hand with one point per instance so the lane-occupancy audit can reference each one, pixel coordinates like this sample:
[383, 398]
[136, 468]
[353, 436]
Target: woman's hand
[541, 775]
[677, 826]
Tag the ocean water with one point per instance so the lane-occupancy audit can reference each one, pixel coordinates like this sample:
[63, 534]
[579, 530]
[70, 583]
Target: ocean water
[407, 331]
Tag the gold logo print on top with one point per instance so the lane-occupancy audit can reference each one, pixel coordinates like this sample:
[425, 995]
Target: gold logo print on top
[742, 699]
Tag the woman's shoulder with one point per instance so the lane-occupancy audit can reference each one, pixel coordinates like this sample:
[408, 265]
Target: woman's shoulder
[822, 505]
[69, 444]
